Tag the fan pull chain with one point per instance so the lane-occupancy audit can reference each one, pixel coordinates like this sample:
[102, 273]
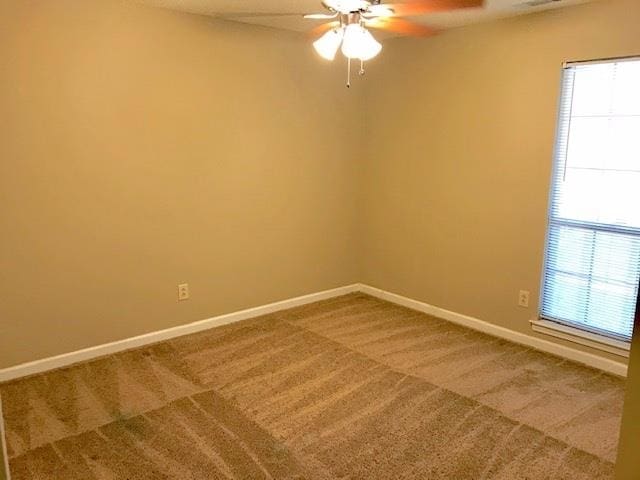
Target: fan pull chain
[360, 72]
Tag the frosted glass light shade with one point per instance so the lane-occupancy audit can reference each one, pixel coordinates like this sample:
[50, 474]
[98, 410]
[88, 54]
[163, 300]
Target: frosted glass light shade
[359, 43]
[328, 44]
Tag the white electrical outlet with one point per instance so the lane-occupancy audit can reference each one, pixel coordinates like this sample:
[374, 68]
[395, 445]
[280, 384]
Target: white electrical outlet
[183, 291]
[523, 298]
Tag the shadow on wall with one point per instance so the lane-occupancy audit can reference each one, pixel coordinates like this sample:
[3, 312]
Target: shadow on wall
[628, 464]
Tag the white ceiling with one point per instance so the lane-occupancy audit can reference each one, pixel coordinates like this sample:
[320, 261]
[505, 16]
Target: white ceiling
[267, 12]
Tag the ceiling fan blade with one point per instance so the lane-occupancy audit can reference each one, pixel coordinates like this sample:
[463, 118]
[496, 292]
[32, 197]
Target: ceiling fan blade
[231, 16]
[320, 29]
[399, 25]
[379, 10]
[422, 7]
[320, 16]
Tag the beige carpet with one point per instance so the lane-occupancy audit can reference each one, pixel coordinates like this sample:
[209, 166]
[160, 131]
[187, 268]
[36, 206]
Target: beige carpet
[351, 387]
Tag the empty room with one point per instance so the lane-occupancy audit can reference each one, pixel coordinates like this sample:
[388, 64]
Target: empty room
[305, 239]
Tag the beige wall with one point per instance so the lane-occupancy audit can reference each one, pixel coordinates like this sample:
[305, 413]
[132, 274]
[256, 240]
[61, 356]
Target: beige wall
[461, 130]
[141, 148]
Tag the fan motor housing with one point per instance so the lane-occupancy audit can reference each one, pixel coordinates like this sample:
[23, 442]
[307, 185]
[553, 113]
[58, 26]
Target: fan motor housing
[349, 6]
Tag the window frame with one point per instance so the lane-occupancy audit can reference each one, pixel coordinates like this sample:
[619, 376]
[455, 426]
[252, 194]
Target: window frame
[567, 330]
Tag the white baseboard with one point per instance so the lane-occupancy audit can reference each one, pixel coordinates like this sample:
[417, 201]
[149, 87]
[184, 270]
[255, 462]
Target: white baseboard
[579, 356]
[66, 359]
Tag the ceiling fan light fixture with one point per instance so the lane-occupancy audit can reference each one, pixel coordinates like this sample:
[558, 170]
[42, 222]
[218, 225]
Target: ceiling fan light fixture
[358, 43]
[328, 44]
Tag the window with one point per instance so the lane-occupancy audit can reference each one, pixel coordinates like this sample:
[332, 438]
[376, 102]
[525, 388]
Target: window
[592, 261]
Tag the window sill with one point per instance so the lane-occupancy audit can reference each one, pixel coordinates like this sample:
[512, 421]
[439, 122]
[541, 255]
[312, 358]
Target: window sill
[593, 340]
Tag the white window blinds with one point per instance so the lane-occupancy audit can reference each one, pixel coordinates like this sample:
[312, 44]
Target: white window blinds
[592, 261]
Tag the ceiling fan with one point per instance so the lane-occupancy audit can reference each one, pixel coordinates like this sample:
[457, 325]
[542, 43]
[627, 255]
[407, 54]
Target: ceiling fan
[350, 20]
